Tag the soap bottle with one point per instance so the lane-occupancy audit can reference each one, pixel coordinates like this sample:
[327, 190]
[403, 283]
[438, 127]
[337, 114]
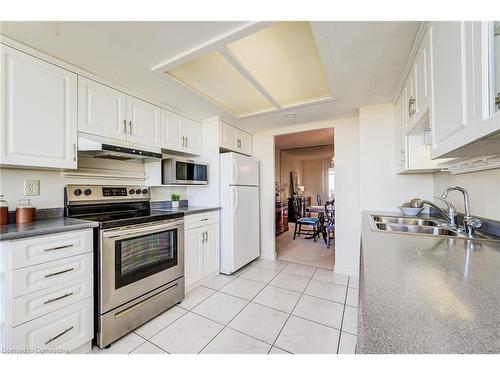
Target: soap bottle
[4, 211]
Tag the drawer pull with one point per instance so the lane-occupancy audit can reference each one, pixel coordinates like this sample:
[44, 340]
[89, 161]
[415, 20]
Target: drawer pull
[58, 298]
[59, 247]
[205, 219]
[59, 335]
[59, 273]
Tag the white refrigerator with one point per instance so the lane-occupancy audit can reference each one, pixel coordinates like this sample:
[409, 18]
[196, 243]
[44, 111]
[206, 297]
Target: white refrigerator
[239, 196]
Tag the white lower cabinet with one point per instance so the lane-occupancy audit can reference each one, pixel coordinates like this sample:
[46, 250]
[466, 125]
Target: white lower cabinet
[201, 248]
[46, 289]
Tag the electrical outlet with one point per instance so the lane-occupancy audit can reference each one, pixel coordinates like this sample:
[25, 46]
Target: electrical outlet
[31, 187]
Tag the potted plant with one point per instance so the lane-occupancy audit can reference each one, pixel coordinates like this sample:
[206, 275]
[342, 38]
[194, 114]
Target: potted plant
[175, 197]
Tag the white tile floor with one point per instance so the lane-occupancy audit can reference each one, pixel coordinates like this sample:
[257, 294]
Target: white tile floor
[268, 307]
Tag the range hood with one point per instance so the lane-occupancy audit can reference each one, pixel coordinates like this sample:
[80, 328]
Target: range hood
[106, 149]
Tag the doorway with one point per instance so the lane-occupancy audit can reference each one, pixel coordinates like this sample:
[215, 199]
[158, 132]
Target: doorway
[304, 184]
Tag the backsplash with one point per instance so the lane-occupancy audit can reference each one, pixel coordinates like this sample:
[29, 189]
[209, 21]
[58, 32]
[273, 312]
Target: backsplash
[52, 183]
[483, 188]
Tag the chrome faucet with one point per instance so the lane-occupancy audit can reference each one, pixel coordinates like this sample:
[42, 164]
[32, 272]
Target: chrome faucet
[470, 223]
[451, 215]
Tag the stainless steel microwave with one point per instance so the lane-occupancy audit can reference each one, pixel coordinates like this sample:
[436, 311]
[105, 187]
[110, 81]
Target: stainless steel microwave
[184, 172]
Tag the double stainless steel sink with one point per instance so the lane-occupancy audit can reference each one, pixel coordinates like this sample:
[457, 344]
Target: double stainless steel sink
[422, 226]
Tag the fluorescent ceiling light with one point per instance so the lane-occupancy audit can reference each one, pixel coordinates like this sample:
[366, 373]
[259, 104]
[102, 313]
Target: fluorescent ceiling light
[214, 77]
[284, 59]
[274, 68]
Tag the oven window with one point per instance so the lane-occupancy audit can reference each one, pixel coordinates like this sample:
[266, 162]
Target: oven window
[139, 257]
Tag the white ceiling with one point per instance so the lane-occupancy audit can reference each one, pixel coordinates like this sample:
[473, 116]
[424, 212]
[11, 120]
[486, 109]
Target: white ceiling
[367, 60]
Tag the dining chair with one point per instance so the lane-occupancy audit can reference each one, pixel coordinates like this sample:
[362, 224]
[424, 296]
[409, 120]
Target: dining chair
[299, 221]
[327, 222]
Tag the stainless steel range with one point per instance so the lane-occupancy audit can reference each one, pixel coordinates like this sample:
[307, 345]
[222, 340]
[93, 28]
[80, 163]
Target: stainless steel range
[139, 258]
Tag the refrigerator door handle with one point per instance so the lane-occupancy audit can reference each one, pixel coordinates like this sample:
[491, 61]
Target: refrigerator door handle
[235, 205]
[235, 171]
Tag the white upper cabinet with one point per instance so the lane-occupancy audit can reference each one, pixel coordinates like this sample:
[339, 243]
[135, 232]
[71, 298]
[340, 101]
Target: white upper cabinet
[234, 139]
[452, 79]
[143, 121]
[486, 78]
[102, 110]
[180, 134]
[38, 106]
[192, 131]
[400, 133]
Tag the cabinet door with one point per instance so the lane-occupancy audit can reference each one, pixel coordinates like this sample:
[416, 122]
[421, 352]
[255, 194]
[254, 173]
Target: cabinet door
[452, 88]
[400, 133]
[192, 129]
[171, 130]
[101, 109]
[193, 256]
[38, 102]
[212, 249]
[486, 78]
[245, 143]
[227, 136]
[410, 90]
[143, 122]
[422, 79]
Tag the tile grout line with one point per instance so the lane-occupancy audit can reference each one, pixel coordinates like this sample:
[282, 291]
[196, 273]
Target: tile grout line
[290, 314]
[234, 317]
[343, 313]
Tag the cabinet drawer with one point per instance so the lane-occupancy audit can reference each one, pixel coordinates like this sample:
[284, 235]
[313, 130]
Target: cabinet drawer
[64, 329]
[43, 249]
[36, 304]
[197, 220]
[31, 279]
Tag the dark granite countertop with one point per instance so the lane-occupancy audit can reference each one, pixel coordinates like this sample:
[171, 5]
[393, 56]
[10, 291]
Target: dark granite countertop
[189, 210]
[424, 294]
[41, 227]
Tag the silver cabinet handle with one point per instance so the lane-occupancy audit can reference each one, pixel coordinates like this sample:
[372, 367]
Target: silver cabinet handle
[59, 335]
[187, 142]
[58, 298]
[207, 235]
[411, 106]
[125, 126]
[205, 219]
[59, 273]
[74, 151]
[202, 237]
[59, 247]
[497, 100]
[183, 141]
[130, 126]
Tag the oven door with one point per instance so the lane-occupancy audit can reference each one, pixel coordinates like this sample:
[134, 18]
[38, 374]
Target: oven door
[136, 259]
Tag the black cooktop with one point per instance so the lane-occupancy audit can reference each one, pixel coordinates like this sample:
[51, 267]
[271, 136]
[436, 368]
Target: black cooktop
[117, 215]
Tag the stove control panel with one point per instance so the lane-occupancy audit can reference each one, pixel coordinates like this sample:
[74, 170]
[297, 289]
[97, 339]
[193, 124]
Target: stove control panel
[88, 193]
[114, 191]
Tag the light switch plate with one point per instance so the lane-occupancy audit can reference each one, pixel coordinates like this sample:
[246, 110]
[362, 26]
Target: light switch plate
[31, 187]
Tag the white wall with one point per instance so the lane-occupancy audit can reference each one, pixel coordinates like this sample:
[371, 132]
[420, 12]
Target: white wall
[347, 208]
[316, 178]
[380, 187]
[483, 188]
[347, 241]
[52, 183]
